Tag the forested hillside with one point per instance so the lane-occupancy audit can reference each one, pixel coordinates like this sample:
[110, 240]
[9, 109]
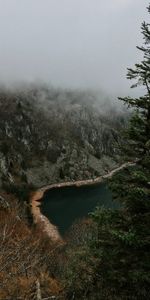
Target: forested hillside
[49, 135]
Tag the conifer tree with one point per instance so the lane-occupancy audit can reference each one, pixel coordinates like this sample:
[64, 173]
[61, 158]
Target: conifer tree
[137, 145]
[123, 244]
[138, 133]
[116, 262]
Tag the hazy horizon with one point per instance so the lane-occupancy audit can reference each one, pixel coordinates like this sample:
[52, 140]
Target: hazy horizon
[79, 44]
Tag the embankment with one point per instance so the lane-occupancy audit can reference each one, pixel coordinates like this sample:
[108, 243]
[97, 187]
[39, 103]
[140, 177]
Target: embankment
[43, 222]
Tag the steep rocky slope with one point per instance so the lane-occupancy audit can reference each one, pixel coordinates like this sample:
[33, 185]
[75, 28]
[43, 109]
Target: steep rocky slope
[51, 135]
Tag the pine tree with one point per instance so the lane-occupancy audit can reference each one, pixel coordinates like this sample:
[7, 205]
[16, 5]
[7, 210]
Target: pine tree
[137, 145]
[116, 262]
[123, 243]
[138, 133]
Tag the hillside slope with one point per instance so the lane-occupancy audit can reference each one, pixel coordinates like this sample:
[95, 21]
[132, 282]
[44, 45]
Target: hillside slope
[51, 135]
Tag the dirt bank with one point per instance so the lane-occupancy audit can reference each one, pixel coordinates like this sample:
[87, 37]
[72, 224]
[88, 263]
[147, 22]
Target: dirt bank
[41, 221]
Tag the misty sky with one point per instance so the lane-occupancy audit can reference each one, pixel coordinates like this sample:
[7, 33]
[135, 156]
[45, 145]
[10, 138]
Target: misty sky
[70, 43]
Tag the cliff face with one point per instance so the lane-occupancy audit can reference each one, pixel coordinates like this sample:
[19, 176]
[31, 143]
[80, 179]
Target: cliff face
[49, 135]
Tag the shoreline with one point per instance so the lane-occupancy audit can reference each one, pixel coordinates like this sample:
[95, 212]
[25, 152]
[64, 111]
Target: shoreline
[43, 222]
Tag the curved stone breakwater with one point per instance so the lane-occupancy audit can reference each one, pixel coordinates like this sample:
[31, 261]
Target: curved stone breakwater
[43, 222]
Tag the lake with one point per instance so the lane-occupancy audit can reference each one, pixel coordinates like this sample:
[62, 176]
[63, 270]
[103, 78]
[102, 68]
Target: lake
[63, 206]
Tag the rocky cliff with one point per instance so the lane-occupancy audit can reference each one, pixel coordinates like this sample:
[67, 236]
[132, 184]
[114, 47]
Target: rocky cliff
[50, 135]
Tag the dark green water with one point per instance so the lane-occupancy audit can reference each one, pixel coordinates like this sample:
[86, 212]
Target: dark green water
[65, 205]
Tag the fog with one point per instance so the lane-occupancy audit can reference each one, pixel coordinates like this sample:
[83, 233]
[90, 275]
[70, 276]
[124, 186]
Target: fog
[70, 43]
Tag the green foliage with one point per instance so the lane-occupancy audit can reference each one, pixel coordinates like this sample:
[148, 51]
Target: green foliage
[115, 263]
[131, 187]
[123, 250]
[79, 273]
[120, 248]
[138, 132]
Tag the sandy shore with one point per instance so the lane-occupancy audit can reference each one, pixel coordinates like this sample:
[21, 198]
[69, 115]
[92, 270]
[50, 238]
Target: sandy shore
[43, 222]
